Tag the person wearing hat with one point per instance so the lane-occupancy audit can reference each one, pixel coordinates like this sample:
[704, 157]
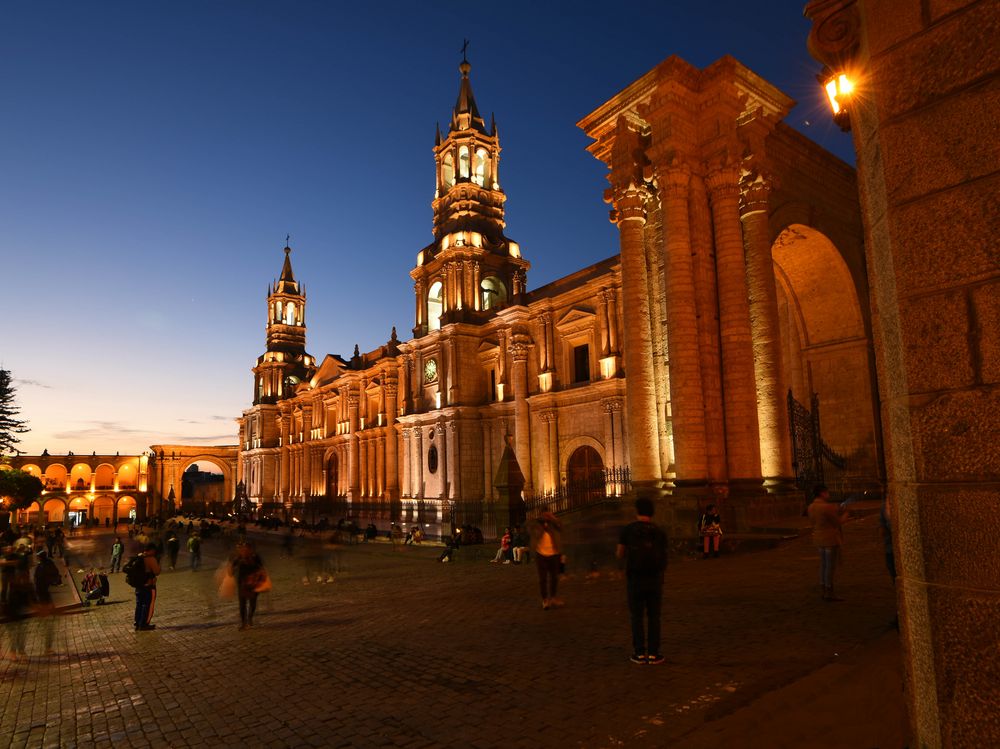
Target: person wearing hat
[145, 595]
[546, 542]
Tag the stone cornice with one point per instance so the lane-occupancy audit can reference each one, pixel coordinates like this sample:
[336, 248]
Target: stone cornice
[835, 37]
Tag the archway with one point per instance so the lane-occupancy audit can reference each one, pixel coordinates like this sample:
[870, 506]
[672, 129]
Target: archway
[54, 510]
[825, 346]
[55, 477]
[203, 488]
[79, 509]
[435, 305]
[103, 510]
[126, 510]
[104, 477]
[128, 476]
[79, 477]
[30, 515]
[585, 483]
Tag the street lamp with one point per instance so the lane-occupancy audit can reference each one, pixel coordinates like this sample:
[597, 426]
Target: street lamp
[839, 89]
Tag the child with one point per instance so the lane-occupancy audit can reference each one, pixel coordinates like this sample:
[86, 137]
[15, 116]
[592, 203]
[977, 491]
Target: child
[710, 528]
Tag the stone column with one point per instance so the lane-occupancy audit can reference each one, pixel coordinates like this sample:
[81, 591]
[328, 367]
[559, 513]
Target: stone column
[772, 407]
[738, 377]
[613, 447]
[707, 296]
[603, 325]
[544, 354]
[306, 478]
[487, 426]
[284, 474]
[522, 425]
[391, 445]
[354, 457]
[644, 453]
[476, 295]
[549, 418]
[686, 401]
[454, 464]
[419, 293]
[418, 465]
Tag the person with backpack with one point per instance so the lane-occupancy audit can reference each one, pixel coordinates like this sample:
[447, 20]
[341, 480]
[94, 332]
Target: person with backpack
[194, 549]
[141, 573]
[643, 546]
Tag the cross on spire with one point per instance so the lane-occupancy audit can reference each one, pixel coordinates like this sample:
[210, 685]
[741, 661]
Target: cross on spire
[465, 47]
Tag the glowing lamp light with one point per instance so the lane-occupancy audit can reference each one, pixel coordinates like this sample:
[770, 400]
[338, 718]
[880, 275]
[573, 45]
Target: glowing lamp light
[839, 90]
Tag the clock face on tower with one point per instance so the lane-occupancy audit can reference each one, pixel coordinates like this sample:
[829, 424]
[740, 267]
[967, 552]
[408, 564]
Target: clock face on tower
[430, 370]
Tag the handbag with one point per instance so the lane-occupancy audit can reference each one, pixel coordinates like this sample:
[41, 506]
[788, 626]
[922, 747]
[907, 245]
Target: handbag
[263, 582]
[227, 587]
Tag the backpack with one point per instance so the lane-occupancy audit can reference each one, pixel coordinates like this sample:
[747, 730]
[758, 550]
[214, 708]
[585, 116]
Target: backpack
[647, 552]
[135, 572]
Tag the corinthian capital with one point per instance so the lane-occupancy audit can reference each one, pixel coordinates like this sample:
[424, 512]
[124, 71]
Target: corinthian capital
[755, 188]
[723, 182]
[518, 347]
[674, 181]
[629, 202]
[835, 36]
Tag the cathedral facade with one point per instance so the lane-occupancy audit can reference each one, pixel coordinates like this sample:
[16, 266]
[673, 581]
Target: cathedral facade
[677, 366]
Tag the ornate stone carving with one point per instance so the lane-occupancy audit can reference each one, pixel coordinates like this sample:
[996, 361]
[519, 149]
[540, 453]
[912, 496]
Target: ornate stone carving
[723, 183]
[629, 202]
[835, 36]
[518, 350]
[755, 187]
[674, 181]
[612, 405]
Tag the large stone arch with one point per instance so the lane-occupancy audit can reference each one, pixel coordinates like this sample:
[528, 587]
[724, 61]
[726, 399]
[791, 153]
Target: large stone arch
[571, 447]
[172, 460]
[826, 348]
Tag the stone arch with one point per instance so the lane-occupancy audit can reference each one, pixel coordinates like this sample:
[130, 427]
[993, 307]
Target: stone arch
[435, 304]
[104, 476]
[31, 468]
[55, 477]
[825, 345]
[79, 476]
[128, 474]
[54, 510]
[103, 509]
[124, 508]
[227, 484]
[332, 473]
[573, 445]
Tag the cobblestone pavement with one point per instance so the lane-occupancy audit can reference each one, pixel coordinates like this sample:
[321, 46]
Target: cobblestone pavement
[402, 651]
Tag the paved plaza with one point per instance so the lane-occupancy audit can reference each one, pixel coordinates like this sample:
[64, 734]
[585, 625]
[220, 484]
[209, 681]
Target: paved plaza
[403, 651]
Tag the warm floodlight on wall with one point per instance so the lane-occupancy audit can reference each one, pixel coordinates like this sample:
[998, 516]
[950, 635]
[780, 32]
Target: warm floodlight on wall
[839, 89]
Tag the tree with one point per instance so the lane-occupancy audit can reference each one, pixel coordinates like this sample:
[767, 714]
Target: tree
[10, 425]
[20, 487]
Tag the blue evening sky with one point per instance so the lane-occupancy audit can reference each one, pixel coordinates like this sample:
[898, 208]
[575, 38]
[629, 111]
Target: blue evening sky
[153, 155]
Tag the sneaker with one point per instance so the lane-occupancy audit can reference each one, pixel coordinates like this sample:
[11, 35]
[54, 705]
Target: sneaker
[637, 658]
[545, 603]
[654, 660]
[145, 628]
[557, 602]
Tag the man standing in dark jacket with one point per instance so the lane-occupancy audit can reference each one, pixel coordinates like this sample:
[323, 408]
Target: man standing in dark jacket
[145, 595]
[643, 546]
[47, 575]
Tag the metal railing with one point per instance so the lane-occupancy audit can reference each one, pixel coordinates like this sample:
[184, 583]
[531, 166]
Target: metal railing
[611, 484]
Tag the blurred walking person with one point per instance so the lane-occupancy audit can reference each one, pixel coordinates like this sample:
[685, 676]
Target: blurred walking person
[248, 569]
[46, 577]
[827, 520]
[643, 546]
[546, 543]
[194, 551]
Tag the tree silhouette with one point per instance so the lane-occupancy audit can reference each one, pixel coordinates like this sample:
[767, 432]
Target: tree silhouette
[10, 425]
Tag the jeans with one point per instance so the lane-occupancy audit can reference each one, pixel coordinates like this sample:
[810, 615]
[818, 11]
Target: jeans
[248, 606]
[145, 600]
[116, 563]
[548, 574]
[644, 597]
[195, 560]
[828, 556]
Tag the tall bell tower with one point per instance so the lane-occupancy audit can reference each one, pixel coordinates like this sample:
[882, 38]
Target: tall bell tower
[285, 362]
[470, 267]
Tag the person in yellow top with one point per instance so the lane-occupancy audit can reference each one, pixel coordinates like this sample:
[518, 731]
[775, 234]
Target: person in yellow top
[546, 542]
[827, 519]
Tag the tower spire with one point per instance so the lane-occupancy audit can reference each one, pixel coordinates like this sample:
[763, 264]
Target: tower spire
[466, 114]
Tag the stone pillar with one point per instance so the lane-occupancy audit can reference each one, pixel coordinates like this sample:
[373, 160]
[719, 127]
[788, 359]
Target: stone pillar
[391, 445]
[550, 419]
[611, 296]
[487, 426]
[772, 405]
[707, 296]
[929, 205]
[686, 402]
[418, 465]
[421, 306]
[454, 464]
[354, 456]
[738, 378]
[477, 295]
[522, 416]
[603, 326]
[644, 452]
[544, 353]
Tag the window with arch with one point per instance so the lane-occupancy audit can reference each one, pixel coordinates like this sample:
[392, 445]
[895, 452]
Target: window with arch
[480, 166]
[448, 171]
[463, 162]
[493, 292]
[435, 306]
[432, 459]
[290, 313]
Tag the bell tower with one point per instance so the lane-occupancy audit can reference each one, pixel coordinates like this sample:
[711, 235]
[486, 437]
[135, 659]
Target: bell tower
[285, 362]
[470, 267]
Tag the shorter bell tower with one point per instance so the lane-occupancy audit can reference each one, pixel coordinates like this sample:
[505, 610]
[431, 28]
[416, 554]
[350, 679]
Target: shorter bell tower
[285, 362]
